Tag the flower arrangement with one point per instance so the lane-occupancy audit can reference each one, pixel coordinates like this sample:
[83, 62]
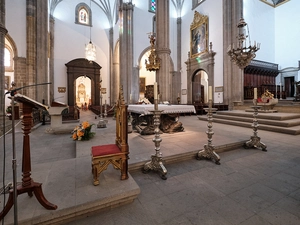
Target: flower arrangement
[83, 132]
[9, 110]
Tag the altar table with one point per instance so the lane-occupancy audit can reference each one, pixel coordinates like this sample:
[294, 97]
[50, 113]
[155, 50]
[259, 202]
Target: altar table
[143, 117]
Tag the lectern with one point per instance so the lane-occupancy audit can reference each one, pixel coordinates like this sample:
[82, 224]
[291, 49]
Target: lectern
[28, 185]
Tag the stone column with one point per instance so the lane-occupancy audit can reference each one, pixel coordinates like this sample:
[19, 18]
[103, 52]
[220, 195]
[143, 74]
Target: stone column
[3, 32]
[42, 91]
[31, 47]
[126, 48]
[163, 75]
[233, 76]
[51, 58]
[112, 89]
[177, 75]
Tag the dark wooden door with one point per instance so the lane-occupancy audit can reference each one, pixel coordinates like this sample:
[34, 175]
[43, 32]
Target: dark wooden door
[198, 89]
[289, 86]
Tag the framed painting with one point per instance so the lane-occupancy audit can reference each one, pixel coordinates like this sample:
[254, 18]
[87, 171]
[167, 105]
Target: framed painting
[7, 82]
[219, 89]
[199, 35]
[142, 84]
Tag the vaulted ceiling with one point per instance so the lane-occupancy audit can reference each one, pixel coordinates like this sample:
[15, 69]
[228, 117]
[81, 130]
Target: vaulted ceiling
[275, 3]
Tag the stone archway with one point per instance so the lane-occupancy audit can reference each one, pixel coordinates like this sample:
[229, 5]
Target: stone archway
[203, 62]
[82, 67]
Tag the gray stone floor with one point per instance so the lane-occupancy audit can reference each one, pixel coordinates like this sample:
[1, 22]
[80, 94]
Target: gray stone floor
[249, 187]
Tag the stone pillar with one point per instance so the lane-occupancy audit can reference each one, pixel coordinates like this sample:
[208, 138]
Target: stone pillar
[112, 89]
[3, 32]
[177, 75]
[233, 76]
[126, 48]
[51, 58]
[31, 47]
[163, 75]
[42, 91]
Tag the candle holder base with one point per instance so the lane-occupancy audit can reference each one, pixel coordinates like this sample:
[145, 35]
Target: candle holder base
[208, 151]
[209, 154]
[254, 139]
[156, 164]
[256, 143]
[101, 123]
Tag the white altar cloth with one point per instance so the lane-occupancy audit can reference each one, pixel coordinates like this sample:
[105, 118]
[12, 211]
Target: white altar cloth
[167, 109]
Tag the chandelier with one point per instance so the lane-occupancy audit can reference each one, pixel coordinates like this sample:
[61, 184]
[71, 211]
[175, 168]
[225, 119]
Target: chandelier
[90, 52]
[154, 61]
[242, 55]
[90, 49]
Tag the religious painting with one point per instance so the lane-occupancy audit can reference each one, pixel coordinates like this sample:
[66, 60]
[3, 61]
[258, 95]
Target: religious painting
[142, 84]
[7, 82]
[199, 35]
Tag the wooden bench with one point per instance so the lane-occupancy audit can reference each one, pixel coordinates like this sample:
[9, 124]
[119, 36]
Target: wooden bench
[117, 153]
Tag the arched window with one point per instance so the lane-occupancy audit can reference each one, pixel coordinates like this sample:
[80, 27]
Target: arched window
[8, 59]
[83, 14]
[152, 6]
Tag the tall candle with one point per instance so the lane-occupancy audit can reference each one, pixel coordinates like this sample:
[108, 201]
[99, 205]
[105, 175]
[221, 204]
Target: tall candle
[155, 90]
[130, 97]
[255, 93]
[209, 92]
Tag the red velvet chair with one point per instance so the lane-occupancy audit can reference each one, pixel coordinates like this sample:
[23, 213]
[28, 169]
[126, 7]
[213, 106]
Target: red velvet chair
[117, 153]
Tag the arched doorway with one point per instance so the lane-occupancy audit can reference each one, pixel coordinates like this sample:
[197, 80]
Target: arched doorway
[82, 67]
[83, 91]
[200, 87]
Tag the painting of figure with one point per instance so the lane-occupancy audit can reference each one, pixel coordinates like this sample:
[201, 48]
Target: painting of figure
[199, 35]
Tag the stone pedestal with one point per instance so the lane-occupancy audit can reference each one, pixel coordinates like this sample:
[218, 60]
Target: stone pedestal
[56, 116]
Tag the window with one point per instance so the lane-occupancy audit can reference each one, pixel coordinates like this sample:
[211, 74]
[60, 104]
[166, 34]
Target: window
[83, 14]
[152, 6]
[8, 58]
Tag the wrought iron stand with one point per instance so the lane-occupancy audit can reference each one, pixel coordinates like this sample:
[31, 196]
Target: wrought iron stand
[156, 163]
[254, 139]
[208, 151]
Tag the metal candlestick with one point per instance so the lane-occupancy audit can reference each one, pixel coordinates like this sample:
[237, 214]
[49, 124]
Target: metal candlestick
[208, 151]
[156, 163]
[101, 123]
[255, 140]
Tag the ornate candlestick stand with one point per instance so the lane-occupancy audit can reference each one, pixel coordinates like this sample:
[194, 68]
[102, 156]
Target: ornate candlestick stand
[255, 140]
[156, 163]
[208, 151]
[101, 123]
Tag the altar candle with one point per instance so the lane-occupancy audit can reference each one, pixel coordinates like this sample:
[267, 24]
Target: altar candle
[255, 93]
[155, 90]
[130, 97]
[210, 93]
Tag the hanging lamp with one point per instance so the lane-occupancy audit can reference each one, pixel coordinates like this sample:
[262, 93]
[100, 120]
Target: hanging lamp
[90, 49]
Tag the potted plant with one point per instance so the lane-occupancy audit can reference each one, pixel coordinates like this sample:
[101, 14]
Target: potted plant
[9, 112]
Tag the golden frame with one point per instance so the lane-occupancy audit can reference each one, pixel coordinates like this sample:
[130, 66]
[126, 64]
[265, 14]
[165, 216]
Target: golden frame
[199, 35]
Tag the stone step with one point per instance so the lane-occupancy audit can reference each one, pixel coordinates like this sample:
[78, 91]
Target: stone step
[272, 122]
[288, 123]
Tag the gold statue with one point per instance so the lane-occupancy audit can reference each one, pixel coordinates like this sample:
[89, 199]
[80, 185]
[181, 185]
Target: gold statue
[267, 94]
